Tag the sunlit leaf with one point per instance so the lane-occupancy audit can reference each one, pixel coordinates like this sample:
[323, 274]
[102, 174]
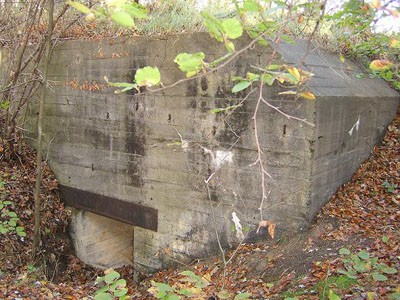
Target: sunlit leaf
[109, 278]
[123, 19]
[217, 110]
[376, 4]
[250, 6]
[232, 28]
[214, 26]
[380, 65]
[190, 63]
[103, 296]
[241, 86]
[148, 76]
[79, 6]
[295, 72]
[288, 93]
[394, 43]
[230, 46]
[135, 10]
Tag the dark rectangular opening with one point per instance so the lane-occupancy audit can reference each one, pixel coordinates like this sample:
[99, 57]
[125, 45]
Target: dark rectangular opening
[130, 213]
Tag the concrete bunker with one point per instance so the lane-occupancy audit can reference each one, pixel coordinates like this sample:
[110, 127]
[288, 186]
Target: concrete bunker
[134, 165]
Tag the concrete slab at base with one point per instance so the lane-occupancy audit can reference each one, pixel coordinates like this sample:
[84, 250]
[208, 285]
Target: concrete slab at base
[100, 241]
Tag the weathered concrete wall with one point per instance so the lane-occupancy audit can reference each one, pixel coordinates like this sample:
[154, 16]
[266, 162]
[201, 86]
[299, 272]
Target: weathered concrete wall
[120, 145]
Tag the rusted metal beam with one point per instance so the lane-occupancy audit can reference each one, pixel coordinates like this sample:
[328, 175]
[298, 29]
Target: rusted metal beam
[130, 213]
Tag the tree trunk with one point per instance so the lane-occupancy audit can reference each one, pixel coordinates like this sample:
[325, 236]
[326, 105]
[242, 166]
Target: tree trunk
[36, 236]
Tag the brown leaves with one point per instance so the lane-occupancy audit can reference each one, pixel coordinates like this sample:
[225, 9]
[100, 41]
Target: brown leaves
[271, 227]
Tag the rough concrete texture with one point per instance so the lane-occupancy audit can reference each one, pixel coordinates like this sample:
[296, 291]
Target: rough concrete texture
[124, 146]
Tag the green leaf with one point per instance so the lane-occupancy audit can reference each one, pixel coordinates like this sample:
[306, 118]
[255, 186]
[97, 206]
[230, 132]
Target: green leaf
[242, 296]
[232, 28]
[190, 63]
[12, 223]
[123, 19]
[103, 296]
[385, 238]
[250, 6]
[287, 39]
[268, 79]
[214, 27]
[102, 290]
[395, 296]
[364, 255]
[79, 6]
[389, 270]
[333, 296]
[230, 46]
[241, 86]
[172, 297]
[21, 233]
[344, 251]
[110, 277]
[135, 11]
[120, 292]
[148, 76]
[217, 110]
[185, 292]
[379, 277]
[7, 202]
[121, 283]
[12, 214]
[162, 286]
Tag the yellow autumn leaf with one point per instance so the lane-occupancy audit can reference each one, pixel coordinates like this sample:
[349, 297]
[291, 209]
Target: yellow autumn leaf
[376, 4]
[394, 43]
[342, 58]
[295, 73]
[307, 95]
[380, 65]
[394, 13]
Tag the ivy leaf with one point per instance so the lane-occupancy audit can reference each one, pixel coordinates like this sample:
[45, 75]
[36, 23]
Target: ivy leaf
[344, 251]
[123, 19]
[242, 296]
[79, 6]
[241, 86]
[148, 76]
[232, 28]
[379, 277]
[250, 6]
[103, 296]
[190, 63]
[109, 278]
[172, 297]
[389, 270]
[364, 255]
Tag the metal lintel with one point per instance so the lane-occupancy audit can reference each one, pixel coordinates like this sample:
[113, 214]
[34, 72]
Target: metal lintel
[130, 213]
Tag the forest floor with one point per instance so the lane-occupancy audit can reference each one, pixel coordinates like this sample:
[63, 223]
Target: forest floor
[351, 252]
